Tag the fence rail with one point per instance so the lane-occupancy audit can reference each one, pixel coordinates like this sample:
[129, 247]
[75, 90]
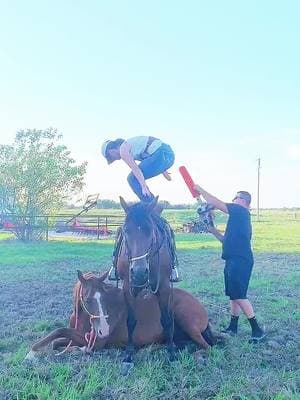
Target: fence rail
[54, 224]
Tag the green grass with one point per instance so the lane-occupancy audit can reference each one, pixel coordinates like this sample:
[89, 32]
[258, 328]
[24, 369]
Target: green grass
[37, 281]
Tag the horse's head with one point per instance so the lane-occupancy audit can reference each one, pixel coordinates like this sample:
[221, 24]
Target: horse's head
[139, 235]
[94, 299]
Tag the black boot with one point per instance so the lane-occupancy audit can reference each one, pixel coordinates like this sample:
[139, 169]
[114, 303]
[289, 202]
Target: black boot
[113, 273]
[257, 332]
[233, 326]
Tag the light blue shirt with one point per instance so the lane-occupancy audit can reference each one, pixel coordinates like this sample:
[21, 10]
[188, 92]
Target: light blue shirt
[138, 146]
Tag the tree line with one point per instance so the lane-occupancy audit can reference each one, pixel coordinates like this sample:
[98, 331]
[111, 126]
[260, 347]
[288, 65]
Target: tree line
[111, 204]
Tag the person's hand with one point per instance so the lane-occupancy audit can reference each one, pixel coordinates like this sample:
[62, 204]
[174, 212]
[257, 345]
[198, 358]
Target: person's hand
[210, 229]
[198, 189]
[145, 190]
[167, 175]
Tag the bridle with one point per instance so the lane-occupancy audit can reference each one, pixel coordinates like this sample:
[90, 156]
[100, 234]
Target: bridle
[149, 255]
[90, 336]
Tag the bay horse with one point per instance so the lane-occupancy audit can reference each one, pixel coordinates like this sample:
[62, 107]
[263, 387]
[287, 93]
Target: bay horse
[144, 261]
[99, 319]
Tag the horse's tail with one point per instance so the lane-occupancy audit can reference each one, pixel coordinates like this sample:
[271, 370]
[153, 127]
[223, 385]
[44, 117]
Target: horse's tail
[208, 336]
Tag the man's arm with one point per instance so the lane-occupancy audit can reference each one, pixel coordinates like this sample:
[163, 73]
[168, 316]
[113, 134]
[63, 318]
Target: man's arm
[216, 233]
[129, 160]
[220, 205]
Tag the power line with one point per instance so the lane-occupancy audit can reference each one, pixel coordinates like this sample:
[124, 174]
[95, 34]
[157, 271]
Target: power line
[258, 187]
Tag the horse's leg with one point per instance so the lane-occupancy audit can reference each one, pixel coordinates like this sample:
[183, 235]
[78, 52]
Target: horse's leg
[77, 338]
[197, 337]
[167, 319]
[61, 342]
[131, 323]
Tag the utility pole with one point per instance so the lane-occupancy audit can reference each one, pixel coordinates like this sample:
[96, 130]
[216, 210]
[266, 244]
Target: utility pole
[258, 187]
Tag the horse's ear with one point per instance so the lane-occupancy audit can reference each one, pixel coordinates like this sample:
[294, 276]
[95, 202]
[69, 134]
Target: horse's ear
[152, 204]
[103, 276]
[123, 204]
[80, 276]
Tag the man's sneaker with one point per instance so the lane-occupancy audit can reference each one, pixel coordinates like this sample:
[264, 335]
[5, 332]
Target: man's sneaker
[257, 336]
[112, 275]
[229, 331]
[174, 275]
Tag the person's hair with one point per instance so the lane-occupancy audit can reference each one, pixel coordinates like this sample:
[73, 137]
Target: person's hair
[114, 144]
[245, 196]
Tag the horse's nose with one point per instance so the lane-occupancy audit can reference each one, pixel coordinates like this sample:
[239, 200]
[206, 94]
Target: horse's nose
[139, 273]
[101, 327]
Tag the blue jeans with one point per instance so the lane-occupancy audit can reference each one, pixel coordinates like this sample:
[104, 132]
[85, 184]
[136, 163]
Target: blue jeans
[157, 163]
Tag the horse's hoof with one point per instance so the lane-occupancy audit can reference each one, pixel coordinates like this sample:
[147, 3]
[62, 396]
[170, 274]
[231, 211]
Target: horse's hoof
[30, 358]
[172, 357]
[126, 368]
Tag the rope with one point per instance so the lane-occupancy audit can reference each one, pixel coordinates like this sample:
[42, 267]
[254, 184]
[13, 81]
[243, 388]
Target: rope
[91, 336]
[76, 323]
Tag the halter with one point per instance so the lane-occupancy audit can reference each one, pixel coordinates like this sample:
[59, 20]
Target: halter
[139, 257]
[148, 255]
[90, 336]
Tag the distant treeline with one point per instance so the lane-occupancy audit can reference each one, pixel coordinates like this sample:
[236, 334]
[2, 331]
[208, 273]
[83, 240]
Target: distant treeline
[111, 204]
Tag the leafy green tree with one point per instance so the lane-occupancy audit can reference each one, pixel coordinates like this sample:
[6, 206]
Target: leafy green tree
[37, 173]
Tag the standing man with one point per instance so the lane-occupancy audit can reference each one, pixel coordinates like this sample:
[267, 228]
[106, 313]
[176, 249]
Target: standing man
[238, 256]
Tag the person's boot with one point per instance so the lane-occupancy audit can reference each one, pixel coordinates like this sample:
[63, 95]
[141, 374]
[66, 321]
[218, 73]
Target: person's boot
[174, 274]
[112, 274]
[258, 333]
[233, 326]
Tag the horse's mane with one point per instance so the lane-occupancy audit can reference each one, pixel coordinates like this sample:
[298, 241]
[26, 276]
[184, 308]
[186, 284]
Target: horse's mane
[139, 214]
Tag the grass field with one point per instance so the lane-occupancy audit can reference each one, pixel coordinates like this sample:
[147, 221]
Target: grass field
[36, 282]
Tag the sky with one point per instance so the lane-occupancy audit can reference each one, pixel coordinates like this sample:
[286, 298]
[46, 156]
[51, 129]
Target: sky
[218, 81]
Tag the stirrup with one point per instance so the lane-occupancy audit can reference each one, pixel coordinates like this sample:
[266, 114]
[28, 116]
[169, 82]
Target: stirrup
[174, 277]
[112, 274]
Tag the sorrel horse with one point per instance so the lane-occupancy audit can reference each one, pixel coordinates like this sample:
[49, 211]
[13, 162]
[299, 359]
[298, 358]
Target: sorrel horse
[144, 262]
[100, 317]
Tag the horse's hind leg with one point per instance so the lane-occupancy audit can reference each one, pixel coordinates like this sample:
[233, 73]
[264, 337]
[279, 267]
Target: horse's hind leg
[66, 333]
[61, 342]
[197, 337]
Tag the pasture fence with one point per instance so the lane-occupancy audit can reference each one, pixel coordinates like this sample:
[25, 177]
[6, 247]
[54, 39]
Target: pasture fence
[45, 226]
[104, 225]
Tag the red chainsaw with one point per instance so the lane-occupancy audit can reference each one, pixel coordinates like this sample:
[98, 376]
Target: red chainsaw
[204, 209]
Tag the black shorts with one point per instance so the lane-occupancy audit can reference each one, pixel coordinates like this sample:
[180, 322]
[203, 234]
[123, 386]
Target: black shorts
[237, 273]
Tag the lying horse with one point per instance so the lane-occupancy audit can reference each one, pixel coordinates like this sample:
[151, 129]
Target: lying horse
[100, 317]
[144, 261]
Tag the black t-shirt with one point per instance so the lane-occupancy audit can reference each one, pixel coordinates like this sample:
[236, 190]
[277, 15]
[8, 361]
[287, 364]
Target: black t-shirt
[237, 237]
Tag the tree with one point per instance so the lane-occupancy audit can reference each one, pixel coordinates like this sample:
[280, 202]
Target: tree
[37, 173]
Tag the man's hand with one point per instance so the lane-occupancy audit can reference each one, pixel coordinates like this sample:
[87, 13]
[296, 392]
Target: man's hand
[214, 201]
[145, 190]
[216, 233]
[198, 189]
[211, 229]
